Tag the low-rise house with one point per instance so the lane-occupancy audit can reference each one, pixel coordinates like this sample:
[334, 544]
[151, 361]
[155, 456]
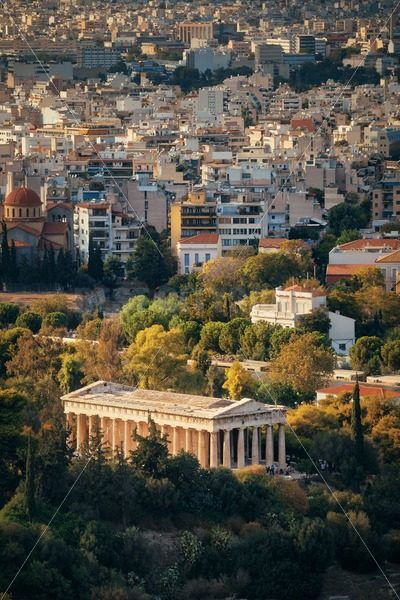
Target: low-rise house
[194, 251]
[296, 301]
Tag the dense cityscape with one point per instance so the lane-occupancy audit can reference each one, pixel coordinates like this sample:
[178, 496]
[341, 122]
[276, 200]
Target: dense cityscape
[199, 300]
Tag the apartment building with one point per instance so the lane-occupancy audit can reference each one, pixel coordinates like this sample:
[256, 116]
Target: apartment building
[112, 230]
[193, 216]
[241, 222]
[386, 197]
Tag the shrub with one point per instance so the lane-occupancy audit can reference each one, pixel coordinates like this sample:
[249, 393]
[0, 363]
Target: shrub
[30, 320]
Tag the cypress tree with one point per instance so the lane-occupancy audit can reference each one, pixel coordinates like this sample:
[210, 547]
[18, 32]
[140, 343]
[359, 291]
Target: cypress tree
[356, 425]
[91, 259]
[52, 266]
[13, 262]
[99, 263]
[30, 480]
[5, 253]
[44, 272]
[61, 271]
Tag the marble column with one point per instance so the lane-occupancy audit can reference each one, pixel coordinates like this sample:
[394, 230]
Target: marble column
[114, 435]
[70, 421]
[240, 449]
[142, 429]
[188, 440]
[132, 429]
[227, 459]
[269, 456]
[203, 448]
[214, 449]
[282, 447]
[81, 430]
[126, 439]
[175, 441]
[255, 448]
[92, 425]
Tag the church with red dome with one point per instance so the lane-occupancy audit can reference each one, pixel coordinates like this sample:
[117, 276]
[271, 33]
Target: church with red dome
[27, 226]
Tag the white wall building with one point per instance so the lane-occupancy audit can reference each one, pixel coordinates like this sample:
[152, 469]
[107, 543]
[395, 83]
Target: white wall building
[295, 301]
[196, 250]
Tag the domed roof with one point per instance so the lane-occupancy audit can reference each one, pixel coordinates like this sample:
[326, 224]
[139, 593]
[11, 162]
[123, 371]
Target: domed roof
[22, 196]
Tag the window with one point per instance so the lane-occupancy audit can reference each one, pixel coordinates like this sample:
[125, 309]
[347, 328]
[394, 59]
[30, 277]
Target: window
[13, 212]
[27, 212]
[208, 256]
[342, 347]
[186, 260]
[196, 258]
[118, 246]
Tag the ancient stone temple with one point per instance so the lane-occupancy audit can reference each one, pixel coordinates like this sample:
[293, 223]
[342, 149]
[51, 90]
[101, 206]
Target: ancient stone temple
[217, 431]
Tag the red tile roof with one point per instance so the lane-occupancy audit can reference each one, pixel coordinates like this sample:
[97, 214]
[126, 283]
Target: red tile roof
[56, 228]
[394, 257]
[303, 124]
[24, 227]
[103, 205]
[201, 238]
[272, 242]
[365, 390]
[22, 196]
[52, 205]
[345, 270]
[385, 244]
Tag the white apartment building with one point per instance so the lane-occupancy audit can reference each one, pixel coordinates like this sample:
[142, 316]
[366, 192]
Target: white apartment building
[112, 230]
[212, 101]
[295, 301]
[241, 222]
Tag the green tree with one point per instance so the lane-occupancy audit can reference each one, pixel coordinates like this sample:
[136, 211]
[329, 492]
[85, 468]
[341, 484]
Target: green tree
[346, 216]
[29, 488]
[112, 271]
[348, 235]
[320, 253]
[12, 407]
[30, 320]
[303, 364]
[95, 261]
[231, 332]
[238, 381]
[255, 341]
[390, 353]
[55, 320]
[148, 264]
[8, 313]
[5, 254]
[317, 320]
[356, 425]
[151, 454]
[365, 355]
[155, 360]
[71, 374]
[135, 316]
[210, 334]
[271, 270]
[215, 381]
[52, 459]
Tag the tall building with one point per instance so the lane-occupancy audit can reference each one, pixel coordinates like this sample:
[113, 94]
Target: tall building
[191, 217]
